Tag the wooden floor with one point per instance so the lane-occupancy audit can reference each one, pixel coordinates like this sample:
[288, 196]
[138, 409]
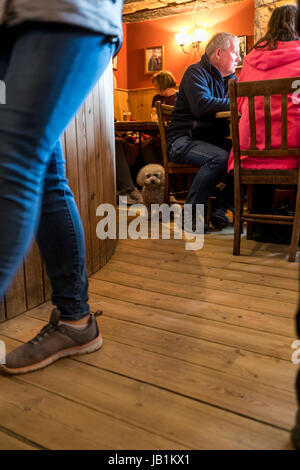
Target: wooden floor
[196, 355]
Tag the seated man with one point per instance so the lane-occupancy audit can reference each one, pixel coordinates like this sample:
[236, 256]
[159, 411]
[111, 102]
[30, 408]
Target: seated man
[194, 135]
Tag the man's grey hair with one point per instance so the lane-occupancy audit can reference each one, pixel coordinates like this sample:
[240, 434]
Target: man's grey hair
[222, 40]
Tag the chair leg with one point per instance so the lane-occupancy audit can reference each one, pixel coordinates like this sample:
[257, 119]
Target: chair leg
[207, 211]
[250, 208]
[167, 187]
[237, 220]
[296, 229]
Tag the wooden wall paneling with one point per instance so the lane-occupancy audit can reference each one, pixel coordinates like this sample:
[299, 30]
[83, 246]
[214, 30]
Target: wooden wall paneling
[83, 182]
[98, 169]
[15, 297]
[111, 146]
[109, 189]
[103, 152]
[33, 269]
[137, 101]
[92, 179]
[2, 310]
[146, 103]
[107, 147]
[133, 105]
[102, 156]
[120, 103]
[140, 102]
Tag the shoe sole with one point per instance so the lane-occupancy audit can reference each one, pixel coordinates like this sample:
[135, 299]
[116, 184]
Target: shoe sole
[90, 347]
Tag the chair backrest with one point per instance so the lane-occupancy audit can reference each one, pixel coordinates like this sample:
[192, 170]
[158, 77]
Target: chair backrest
[164, 112]
[282, 87]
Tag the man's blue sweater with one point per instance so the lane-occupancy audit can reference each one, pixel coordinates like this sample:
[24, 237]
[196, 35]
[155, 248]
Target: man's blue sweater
[202, 93]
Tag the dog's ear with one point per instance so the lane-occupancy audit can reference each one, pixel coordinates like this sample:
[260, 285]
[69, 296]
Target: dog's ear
[140, 177]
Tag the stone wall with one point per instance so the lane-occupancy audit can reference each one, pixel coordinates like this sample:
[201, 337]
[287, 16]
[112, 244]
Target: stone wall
[263, 10]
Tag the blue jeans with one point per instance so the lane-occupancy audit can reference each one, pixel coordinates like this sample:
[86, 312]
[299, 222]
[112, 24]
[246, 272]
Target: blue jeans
[211, 159]
[48, 71]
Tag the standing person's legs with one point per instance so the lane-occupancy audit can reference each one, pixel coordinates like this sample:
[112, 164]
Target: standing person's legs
[61, 241]
[51, 69]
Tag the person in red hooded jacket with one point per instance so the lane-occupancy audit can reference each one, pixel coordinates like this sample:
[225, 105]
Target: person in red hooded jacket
[275, 55]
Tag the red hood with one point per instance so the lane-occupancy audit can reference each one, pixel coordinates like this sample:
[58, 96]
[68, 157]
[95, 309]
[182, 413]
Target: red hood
[263, 59]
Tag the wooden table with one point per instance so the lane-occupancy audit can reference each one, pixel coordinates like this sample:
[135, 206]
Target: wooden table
[140, 126]
[148, 127]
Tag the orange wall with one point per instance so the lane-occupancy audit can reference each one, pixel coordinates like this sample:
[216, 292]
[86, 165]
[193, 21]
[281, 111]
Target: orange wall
[237, 19]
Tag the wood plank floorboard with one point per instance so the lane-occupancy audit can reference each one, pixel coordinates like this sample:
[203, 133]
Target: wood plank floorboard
[202, 294]
[11, 442]
[196, 355]
[196, 308]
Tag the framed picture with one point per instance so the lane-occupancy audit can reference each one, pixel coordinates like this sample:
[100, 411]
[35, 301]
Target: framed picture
[115, 63]
[243, 49]
[154, 59]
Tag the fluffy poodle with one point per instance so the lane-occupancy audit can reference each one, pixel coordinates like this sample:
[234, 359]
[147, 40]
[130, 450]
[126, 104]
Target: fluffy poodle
[152, 179]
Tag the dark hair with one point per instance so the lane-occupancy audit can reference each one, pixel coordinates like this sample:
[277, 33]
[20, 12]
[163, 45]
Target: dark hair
[281, 27]
[164, 80]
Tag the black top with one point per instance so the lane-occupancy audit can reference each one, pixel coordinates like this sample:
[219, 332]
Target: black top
[170, 100]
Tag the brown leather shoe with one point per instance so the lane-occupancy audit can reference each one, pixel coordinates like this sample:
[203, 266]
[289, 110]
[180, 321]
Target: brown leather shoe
[53, 342]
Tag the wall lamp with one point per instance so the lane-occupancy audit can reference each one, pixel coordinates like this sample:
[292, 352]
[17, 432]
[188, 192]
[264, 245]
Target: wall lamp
[190, 40]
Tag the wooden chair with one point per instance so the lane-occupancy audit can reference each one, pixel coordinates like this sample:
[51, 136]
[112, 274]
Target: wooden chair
[249, 177]
[164, 113]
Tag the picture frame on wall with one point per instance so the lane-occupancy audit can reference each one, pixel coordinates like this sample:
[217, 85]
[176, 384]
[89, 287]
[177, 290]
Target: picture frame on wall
[154, 59]
[243, 50]
[115, 63]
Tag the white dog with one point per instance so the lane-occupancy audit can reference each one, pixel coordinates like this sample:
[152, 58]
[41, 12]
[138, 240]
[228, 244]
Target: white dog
[152, 179]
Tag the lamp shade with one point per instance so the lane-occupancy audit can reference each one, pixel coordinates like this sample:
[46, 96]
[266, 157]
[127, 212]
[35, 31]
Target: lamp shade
[199, 35]
[183, 37]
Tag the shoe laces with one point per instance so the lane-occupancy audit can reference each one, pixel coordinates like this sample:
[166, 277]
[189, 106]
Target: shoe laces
[49, 328]
[53, 326]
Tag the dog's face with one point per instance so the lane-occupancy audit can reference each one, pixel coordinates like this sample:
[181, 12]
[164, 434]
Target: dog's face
[151, 175]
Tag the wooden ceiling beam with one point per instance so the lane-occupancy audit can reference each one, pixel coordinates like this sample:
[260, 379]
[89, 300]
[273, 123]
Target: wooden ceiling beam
[173, 8]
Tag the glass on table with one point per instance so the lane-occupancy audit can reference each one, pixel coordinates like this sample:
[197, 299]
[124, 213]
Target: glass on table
[153, 115]
[126, 115]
